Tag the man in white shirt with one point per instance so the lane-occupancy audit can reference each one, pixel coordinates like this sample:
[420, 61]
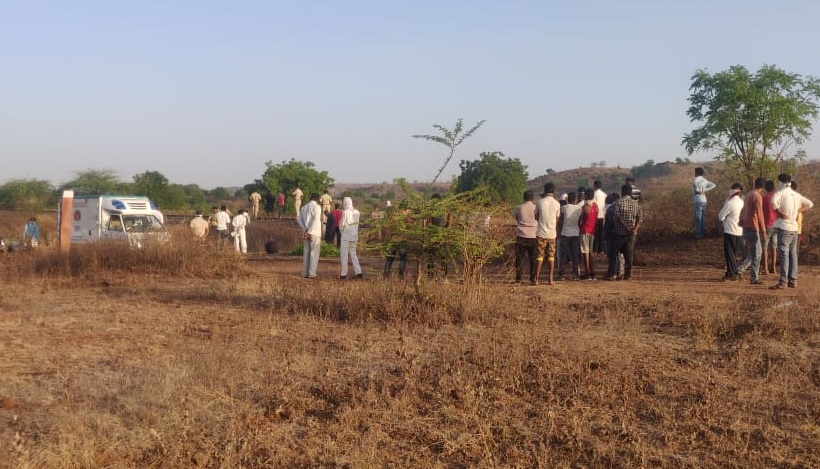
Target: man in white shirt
[310, 221]
[700, 186]
[600, 201]
[240, 240]
[222, 221]
[570, 237]
[732, 231]
[349, 229]
[788, 204]
[547, 212]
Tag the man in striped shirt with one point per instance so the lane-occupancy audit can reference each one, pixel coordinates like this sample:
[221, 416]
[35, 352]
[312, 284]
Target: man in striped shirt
[628, 216]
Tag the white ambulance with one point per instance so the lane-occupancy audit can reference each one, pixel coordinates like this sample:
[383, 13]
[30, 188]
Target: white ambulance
[126, 217]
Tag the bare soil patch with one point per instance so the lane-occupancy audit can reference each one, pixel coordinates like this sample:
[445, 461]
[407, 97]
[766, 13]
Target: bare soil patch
[266, 369]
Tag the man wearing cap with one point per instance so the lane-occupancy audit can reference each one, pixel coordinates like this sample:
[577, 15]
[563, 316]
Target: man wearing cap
[199, 226]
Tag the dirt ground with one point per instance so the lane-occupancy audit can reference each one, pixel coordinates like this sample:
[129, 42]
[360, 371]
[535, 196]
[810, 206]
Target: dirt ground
[675, 368]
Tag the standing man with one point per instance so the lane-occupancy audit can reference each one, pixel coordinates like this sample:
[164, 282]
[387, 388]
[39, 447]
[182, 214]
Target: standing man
[349, 228]
[700, 186]
[770, 246]
[326, 201]
[240, 240]
[600, 201]
[586, 226]
[547, 213]
[788, 204]
[732, 231]
[525, 241]
[280, 205]
[627, 217]
[754, 228]
[570, 237]
[310, 221]
[297, 200]
[337, 223]
[255, 198]
[222, 222]
[212, 220]
[199, 226]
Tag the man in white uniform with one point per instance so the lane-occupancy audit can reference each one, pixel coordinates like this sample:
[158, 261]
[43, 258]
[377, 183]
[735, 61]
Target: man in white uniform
[310, 221]
[349, 227]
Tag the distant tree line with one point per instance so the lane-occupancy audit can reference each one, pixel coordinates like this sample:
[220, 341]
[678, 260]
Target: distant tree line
[36, 194]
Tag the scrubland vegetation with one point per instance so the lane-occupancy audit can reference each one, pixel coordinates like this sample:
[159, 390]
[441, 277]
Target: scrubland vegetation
[183, 356]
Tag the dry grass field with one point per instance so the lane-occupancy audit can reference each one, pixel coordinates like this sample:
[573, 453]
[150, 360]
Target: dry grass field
[183, 357]
[187, 356]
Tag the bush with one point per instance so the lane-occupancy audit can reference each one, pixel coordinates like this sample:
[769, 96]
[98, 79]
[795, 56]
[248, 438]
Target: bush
[327, 250]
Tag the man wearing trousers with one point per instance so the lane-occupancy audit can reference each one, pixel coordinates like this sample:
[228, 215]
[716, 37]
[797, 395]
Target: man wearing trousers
[788, 204]
[700, 186]
[310, 221]
[349, 228]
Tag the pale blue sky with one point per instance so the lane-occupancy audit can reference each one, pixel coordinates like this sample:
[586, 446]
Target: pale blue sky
[205, 92]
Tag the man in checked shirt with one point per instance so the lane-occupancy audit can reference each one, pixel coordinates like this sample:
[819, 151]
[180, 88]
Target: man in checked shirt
[628, 217]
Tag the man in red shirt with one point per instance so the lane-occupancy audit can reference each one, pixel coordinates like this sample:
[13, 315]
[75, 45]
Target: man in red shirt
[754, 228]
[337, 219]
[280, 205]
[769, 217]
[586, 225]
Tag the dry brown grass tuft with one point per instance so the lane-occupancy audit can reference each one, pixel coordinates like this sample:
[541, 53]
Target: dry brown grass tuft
[108, 260]
[265, 369]
[188, 356]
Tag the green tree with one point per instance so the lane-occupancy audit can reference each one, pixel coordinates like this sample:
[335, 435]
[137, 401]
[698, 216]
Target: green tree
[173, 197]
[150, 183]
[505, 179]
[154, 185]
[644, 170]
[450, 139]
[94, 182]
[194, 195]
[288, 174]
[219, 193]
[27, 194]
[754, 121]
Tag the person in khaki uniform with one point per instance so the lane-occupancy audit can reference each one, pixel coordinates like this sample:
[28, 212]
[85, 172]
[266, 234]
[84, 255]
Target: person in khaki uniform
[326, 201]
[199, 226]
[297, 200]
[255, 198]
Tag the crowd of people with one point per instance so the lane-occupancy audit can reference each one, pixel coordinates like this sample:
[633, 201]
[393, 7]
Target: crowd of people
[321, 218]
[572, 229]
[755, 227]
[572, 232]
[221, 226]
